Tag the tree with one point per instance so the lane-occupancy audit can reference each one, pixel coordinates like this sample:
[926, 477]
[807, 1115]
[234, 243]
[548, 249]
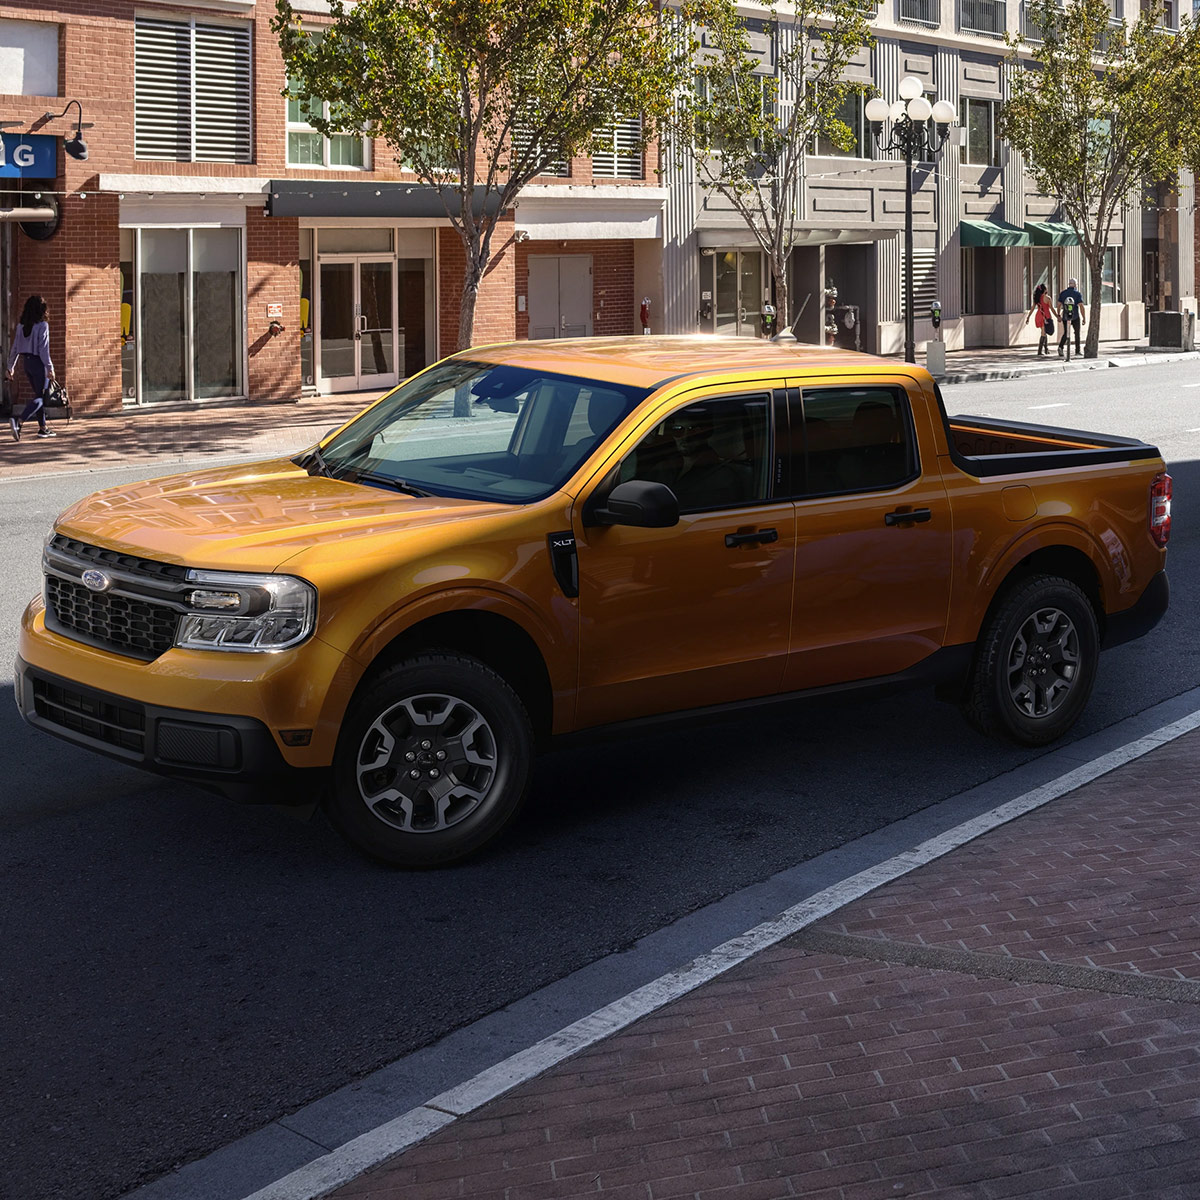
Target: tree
[478, 97]
[750, 132]
[1099, 109]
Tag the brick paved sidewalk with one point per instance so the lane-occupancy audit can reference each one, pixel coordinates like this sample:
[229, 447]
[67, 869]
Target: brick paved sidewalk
[96, 443]
[1018, 1018]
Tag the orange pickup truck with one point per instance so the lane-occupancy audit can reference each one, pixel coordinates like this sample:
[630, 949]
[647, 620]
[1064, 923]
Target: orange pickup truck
[533, 539]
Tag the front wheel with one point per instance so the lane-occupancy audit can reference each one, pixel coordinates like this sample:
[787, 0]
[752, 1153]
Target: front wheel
[433, 760]
[1035, 662]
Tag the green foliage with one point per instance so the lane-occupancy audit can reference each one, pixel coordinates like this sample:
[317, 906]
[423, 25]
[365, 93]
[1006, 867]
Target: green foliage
[477, 97]
[1098, 109]
[750, 131]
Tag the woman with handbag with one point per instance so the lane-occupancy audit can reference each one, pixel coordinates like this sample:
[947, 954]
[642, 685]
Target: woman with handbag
[1043, 317]
[31, 343]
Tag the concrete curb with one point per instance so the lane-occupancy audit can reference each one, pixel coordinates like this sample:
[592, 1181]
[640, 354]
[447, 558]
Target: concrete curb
[1062, 368]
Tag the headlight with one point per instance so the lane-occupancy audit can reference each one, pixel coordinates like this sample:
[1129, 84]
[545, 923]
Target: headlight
[246, 612]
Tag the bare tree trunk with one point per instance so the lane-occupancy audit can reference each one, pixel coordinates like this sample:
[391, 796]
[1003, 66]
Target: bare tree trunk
[1091, 347]
[472, 274]
[783, 311]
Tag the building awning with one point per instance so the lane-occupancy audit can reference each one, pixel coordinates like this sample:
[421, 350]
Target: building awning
[1051, 233]
[375, 200]
[739, 237]
[992, 233]
[553, 212]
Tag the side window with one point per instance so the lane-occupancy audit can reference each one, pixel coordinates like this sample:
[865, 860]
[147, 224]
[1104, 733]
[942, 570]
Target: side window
[856, 439]
[712, 454]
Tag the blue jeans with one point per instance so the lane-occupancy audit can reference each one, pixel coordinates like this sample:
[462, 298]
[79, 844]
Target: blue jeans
[35, 372]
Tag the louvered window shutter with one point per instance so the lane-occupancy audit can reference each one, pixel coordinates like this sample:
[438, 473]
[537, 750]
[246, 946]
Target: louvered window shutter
[192, 91]
[624, 160]
[162, 104]
[222, 93]
[523, 138]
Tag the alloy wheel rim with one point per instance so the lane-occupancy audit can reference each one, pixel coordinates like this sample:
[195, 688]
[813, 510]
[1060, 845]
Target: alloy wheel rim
[427, 763]
[1043, 663]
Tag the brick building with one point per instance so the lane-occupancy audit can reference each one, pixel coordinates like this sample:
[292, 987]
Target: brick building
[213, 245]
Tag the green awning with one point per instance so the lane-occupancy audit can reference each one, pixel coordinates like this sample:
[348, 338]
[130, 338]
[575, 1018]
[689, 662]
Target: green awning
[1051, 233]
[992, 233]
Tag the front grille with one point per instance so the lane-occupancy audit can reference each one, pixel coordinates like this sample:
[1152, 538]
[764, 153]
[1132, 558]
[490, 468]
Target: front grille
[127, 624]
[136, 614]
[121, 724]
[99, 557]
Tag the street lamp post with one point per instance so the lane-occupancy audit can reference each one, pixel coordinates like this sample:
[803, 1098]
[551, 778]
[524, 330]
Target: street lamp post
[910, 133]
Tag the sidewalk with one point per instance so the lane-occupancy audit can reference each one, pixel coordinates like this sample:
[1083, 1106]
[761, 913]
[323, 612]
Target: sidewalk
[1020, 1017]
[162, 437]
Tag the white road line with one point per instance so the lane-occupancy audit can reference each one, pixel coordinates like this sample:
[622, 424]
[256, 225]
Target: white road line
[1064, 404]
[1189, 385]
[323, 1175]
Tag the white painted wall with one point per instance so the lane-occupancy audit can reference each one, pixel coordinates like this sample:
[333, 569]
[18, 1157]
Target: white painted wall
[29, 58]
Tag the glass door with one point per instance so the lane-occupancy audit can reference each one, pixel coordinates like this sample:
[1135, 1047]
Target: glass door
[376, 324]
[737, 282]
[356, 339]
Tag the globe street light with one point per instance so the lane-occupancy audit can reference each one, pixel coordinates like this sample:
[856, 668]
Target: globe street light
[910, 117]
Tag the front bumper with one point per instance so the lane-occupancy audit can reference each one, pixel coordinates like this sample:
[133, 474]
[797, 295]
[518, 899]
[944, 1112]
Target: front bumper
[211, 718]
[237, 756]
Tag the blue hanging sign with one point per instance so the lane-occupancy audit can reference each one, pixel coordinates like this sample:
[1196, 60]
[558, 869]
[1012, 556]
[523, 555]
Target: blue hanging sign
[28, 156]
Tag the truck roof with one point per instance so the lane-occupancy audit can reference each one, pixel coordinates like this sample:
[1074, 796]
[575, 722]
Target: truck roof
[649, 362]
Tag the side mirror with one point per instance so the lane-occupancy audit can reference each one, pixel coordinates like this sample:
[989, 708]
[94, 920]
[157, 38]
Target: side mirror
[641, 504]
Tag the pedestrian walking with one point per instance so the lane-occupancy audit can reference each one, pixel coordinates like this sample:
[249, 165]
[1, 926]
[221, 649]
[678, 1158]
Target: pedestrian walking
[1043, 317]
[1070, 297]
[31, 343]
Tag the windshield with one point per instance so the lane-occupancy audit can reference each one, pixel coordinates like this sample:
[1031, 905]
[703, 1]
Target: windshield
[481, 431]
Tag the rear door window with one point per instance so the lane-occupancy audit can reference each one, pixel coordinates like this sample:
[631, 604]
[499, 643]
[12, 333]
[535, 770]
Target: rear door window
[855, 439]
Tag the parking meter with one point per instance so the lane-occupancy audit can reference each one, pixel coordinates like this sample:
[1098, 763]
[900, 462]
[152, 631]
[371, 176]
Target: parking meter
[935, 314]
[1068, 309]
[768, 320]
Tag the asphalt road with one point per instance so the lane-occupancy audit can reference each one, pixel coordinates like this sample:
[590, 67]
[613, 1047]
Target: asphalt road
[176, 971]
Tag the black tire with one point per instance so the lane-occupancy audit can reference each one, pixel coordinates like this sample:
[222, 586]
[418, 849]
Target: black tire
[1035, 662]
[465, 734]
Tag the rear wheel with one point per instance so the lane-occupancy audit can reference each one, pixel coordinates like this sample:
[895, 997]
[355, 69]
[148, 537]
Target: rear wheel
[1035, 662]
[433, 760]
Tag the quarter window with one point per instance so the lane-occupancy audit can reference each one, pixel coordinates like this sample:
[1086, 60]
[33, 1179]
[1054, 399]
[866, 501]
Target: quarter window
[712, 454]
[856, 440]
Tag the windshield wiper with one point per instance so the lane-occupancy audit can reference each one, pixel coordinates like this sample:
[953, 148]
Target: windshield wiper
[315, 458]
[398, 485]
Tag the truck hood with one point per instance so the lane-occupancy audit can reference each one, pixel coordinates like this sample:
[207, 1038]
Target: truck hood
[252, 517]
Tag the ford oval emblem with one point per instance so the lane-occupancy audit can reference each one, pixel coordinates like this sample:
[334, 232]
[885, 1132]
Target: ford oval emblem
[97, 581]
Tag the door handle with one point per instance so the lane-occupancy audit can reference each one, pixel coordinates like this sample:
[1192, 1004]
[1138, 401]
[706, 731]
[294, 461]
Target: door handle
[913, 516]
[756, 535]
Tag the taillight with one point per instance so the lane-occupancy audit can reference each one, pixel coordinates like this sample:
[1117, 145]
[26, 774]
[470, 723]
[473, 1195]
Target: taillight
[1160, 509]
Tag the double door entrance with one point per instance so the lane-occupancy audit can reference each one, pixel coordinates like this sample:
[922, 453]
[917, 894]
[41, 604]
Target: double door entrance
[358, 337]
[732, 290]
[560, 295]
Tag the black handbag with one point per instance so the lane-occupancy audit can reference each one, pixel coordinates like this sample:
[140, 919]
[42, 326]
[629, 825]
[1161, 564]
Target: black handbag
[1048, 327]
[57, 402]
[6, 404]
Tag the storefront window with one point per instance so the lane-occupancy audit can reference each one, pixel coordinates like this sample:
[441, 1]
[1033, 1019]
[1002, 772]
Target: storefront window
[164, 316]
[1110, 278]
[188, 313]
[216, 317]
[306, 312]
[128, 344]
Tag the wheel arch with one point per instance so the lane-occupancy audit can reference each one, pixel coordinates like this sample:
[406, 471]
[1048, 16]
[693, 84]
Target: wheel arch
[493, 639]
[1060, 558]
